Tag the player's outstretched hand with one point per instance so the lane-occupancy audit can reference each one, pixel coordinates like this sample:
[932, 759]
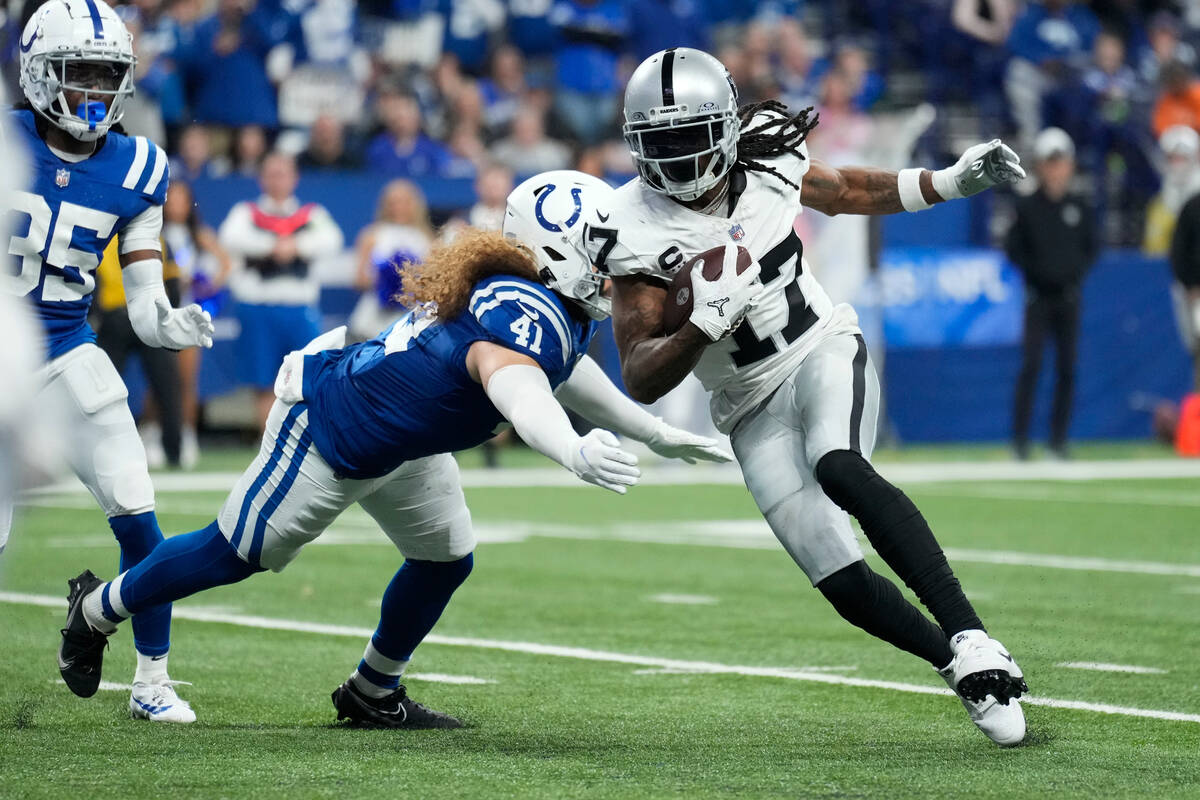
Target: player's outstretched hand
[599, 459]
[179, 328]
[671, 442]
[981, 167]
[720, 305]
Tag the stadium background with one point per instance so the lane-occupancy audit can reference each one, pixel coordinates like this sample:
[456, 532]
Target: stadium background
[941, 306]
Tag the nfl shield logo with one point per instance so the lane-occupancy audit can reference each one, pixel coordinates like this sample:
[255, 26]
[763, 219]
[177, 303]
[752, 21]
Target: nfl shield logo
[737, 233]
[62, 178]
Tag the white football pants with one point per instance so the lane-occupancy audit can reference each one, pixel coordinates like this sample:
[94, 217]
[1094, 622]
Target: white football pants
[831, 402]
[83, 389]
[289, 495]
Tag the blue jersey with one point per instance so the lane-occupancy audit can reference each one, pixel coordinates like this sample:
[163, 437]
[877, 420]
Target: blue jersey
[407, 394]
[67, 218]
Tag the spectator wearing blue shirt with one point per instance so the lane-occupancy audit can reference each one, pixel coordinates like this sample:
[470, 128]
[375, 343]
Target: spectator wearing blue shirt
[1050, 43]
[402, 149]
[225, 61]
[530, 28]
[866, 85]
[594, 35]
[503, 89]
[468, 27]
[659, 24]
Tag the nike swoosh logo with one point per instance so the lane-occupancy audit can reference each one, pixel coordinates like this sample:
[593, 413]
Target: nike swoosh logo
[64, 664]
[602, 217]
[157, 658]
[1006, 655]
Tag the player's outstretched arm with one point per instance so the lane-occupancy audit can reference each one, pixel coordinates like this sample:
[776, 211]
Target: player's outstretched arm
[590, 393]
[869, 190]
[519, 390]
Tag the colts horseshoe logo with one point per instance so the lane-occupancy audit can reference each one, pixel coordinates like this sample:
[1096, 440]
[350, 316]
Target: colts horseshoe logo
[553, 227]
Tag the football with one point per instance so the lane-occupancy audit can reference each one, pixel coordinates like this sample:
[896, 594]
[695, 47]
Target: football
[677, 307]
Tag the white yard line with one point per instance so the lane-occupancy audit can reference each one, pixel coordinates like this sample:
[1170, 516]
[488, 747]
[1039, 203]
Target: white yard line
[752, 534]
[1100, 666]
[1069, 494]
[587, 654]
[438, 677]
[683, 599]
[105, 686]
[682, 475]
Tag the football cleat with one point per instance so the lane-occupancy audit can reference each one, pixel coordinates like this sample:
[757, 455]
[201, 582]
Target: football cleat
[158, 702]
[395, 710]
[989, 683]
[81, 652]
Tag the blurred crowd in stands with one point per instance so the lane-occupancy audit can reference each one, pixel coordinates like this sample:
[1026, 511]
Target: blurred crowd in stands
[440, 88]
[491, 90]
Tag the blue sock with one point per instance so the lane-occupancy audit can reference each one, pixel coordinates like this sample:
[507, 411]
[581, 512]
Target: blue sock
[411, 605]
[138, 535]
[179, 567]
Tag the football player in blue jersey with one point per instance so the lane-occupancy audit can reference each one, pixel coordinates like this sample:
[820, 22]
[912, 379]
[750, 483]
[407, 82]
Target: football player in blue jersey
[88, 184]
[498, 334]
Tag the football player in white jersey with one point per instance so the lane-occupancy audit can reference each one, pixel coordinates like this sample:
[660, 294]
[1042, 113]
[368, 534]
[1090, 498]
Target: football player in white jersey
[89, 183]
[789, 373]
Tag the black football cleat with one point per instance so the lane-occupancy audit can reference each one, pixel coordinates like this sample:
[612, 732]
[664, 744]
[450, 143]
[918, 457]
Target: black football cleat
[395, 710]
[81, 652]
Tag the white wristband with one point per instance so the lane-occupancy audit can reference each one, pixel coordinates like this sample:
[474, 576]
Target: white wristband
[909, 183]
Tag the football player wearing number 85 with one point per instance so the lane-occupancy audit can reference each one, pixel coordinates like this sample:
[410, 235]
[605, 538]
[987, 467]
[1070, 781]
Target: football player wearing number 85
[498, 332]
[89, 183]
[790, 378]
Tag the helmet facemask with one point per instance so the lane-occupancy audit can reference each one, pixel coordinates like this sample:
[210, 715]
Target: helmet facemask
[103, 83]
[585, 287]
[684, 157]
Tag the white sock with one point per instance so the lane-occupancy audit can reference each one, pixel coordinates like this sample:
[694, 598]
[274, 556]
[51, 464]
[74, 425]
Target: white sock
[150, 669]
[382, 668]
[93, 612]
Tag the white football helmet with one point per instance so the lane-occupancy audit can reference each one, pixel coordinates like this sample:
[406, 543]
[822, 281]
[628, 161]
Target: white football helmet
[78, 46]
[681, 121]
[552, 214]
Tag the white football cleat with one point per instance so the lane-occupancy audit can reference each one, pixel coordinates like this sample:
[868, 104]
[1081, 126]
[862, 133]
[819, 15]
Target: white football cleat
[158, 702]
[989, 683]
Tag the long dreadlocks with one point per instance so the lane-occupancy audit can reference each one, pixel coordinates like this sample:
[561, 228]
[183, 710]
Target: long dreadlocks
[781, 134]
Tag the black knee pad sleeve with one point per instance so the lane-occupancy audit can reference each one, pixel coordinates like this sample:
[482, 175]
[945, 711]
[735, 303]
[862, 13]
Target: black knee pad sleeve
[844, 475]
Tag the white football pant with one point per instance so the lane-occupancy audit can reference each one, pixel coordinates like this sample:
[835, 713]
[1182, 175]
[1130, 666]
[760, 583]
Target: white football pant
[83, 390]
[831, 402]
[289, 495]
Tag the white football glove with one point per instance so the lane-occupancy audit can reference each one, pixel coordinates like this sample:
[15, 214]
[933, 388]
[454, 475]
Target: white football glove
[179, 328]
[597, 458]
[719, 306]
[981, 167]
[671, 442]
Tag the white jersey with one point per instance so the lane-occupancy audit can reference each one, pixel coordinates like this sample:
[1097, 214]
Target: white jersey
[652, 234]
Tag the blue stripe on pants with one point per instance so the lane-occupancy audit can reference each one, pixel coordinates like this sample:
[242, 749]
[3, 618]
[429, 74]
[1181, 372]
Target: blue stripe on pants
[264, 514]
[284, 430]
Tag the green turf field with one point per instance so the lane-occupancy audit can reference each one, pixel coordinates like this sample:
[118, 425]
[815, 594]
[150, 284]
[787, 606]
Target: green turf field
[587, 684]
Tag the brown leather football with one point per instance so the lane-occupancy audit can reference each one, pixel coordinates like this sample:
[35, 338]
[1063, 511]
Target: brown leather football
[677, 307]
